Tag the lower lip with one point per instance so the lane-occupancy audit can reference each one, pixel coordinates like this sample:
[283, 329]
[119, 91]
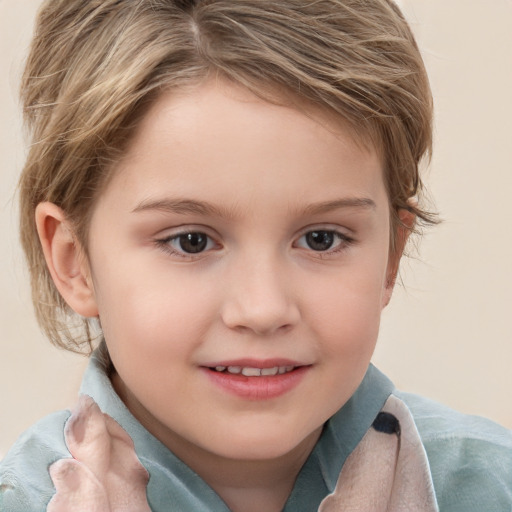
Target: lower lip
[258, 388]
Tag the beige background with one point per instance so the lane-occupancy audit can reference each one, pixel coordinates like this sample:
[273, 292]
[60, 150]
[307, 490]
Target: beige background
[448, 331]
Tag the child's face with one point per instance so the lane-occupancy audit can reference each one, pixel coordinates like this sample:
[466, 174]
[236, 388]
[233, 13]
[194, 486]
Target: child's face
[236, 233]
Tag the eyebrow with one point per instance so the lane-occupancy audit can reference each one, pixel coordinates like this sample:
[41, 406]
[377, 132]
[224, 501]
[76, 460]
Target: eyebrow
[204, 208]
[184, 206]
[363, 203]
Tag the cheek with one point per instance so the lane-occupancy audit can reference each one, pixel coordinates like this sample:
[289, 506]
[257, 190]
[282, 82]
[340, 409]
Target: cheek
[346, 310]
[345, 322]
[152, 310]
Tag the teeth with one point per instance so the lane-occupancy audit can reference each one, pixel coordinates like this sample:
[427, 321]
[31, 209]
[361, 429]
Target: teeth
[255, 372]
[251, 372]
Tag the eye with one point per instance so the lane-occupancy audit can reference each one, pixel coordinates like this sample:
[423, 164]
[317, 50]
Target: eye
[193, 242]
[323, 240]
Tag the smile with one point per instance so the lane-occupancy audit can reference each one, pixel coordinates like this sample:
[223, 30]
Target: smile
[260, 382]
[248, 371]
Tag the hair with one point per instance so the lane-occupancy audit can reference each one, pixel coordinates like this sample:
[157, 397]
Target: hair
[95, 66]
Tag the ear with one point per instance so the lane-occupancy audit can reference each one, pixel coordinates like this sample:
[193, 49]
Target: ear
[403, 231]
[65, 259]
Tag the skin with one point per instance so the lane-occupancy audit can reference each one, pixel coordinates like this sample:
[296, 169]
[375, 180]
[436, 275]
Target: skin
[269, 175]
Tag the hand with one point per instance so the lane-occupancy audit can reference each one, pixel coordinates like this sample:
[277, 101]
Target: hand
[104, 474]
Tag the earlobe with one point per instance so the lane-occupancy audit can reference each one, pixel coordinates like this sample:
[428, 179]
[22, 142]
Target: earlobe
[403, 231]
[65, 260]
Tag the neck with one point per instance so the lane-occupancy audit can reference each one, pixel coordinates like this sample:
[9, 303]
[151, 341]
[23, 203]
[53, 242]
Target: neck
[252, 486]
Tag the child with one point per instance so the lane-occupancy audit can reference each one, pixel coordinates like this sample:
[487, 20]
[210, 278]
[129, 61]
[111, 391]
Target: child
[223, 190]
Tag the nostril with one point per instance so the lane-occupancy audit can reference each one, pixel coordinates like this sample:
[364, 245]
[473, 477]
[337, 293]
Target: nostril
[260, 330]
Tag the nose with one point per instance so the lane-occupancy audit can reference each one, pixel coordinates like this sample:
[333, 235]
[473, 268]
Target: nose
[259, 298]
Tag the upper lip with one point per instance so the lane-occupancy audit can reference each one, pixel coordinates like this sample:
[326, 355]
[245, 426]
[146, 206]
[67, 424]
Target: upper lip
[255, 363]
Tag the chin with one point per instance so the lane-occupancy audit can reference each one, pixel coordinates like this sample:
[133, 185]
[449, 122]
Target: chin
[265, 444]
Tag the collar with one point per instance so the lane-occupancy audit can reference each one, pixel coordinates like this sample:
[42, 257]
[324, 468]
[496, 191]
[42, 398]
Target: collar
[319, 475]
[347, 427]
[341, 434]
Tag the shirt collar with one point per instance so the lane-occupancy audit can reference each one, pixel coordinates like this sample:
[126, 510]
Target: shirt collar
[341, 434]
[347, 427]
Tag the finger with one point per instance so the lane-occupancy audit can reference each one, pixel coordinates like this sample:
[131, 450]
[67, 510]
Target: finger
[127, 478]
[77, 489]
[106, 449]
[87, 437]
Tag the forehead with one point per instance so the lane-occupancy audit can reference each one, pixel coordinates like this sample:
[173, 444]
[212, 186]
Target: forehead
[218, 138]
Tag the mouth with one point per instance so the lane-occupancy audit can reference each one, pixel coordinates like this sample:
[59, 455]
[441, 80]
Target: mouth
[248, 371]
[263, 381]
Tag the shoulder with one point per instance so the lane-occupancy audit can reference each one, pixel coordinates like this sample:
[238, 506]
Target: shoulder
[25, 484]
[470, 457]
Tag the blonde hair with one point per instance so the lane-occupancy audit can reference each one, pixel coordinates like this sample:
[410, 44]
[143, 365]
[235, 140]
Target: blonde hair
[96, 65]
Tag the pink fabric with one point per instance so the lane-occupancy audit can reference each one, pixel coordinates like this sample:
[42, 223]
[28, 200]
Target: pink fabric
[385, 473]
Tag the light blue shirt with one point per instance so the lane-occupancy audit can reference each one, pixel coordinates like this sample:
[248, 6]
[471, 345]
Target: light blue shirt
[470, 457]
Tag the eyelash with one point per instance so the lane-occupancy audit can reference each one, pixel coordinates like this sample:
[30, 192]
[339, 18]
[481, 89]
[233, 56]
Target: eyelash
[344, 241]
[165, 244]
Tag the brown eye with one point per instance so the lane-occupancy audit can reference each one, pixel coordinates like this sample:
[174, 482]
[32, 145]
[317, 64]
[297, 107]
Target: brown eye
[188, 244]
[326, 241]
[192, 243]
[320, 240]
